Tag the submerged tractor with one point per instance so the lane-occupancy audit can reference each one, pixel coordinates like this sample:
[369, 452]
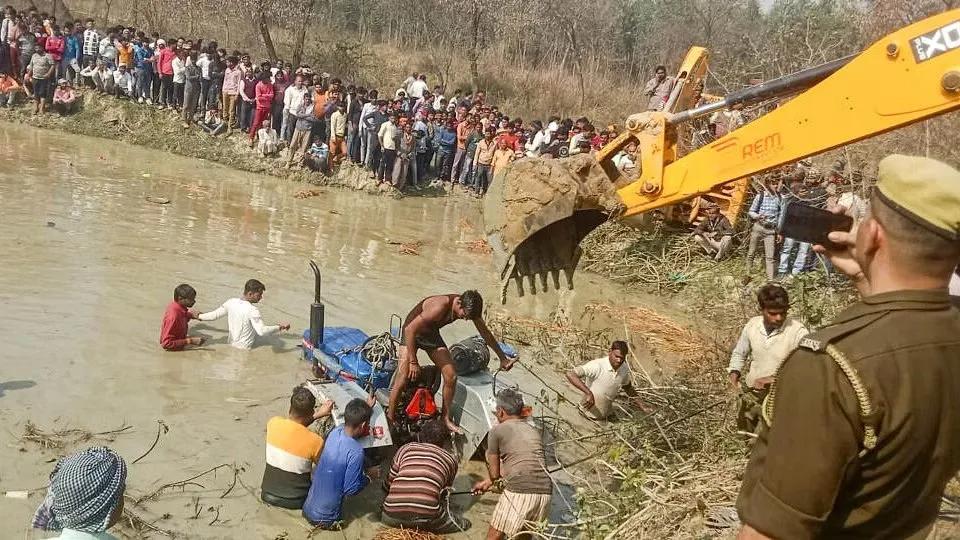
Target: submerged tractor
[537, 211]
[349, 364]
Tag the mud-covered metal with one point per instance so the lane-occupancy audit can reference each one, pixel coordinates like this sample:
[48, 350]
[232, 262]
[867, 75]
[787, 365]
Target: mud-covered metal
[535, 215]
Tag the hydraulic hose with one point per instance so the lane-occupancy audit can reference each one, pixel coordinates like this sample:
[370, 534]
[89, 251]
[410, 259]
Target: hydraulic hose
[787, 84]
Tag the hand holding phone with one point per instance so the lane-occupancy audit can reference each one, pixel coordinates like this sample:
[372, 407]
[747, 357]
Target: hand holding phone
[813, 225]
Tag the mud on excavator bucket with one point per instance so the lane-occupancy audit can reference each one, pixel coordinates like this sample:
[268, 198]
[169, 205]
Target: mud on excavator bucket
[537, 211]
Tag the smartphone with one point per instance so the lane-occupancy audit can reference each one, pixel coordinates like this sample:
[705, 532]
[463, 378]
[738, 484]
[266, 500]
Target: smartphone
[809, 224]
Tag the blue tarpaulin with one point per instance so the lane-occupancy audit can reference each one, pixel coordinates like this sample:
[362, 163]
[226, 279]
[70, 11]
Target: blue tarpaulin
[338, 343]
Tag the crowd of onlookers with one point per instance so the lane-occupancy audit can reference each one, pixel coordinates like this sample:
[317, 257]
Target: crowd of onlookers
[407, 136]
[801, 183]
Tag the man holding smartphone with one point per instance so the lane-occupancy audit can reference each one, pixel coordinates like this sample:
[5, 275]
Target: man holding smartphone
[811, 193]
[860, 428]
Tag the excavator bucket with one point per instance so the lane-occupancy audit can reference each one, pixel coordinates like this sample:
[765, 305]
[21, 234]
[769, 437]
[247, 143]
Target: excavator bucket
[535, 214]
[537, 211]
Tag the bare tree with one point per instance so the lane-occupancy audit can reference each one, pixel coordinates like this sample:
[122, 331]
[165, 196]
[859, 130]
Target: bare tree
[476, 12]
[302, 32]
[260, 14]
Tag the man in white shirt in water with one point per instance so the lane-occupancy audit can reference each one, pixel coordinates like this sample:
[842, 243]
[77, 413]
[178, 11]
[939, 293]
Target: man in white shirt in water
[243, 317]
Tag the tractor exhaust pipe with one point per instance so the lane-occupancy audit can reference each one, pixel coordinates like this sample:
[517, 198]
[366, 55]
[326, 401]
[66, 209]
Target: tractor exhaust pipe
[316, 309]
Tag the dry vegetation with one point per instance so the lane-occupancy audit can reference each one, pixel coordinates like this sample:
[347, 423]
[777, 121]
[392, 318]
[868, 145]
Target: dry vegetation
[666, 472]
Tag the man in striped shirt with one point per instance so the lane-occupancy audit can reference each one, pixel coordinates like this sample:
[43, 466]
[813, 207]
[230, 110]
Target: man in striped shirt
[417, 483]
[292, 450]
[91, 43]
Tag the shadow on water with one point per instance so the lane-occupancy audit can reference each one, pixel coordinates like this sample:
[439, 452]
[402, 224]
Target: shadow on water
[15, 385]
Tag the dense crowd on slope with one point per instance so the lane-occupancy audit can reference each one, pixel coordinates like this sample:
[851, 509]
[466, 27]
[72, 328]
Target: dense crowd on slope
[408, 136]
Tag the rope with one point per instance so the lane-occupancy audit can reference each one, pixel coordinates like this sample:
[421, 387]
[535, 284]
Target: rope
[379, 351]
[860, 392]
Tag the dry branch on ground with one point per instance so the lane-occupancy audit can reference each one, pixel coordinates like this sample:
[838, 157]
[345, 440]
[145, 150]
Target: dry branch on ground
[477, 246]
[63, 438]
[405, 534]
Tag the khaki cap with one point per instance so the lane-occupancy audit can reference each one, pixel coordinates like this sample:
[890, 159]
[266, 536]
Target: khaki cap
[924, 190]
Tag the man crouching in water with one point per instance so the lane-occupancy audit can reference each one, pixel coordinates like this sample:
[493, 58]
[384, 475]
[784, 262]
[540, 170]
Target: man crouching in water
[421, 330]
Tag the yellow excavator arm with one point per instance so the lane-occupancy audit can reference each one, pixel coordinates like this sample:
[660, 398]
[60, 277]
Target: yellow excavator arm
[538, 210]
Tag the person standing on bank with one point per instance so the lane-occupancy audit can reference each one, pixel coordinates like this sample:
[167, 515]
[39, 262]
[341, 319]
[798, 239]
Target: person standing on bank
[766, 340]
[765, 211]
[42, 70]
[861, 430]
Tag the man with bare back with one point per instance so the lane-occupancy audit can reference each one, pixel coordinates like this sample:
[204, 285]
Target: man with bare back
[421, 330]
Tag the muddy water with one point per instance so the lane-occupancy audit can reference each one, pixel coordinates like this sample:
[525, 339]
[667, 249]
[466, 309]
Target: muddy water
[89, 265]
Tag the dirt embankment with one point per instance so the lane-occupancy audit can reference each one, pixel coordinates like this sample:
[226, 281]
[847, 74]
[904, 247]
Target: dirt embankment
[108, 118]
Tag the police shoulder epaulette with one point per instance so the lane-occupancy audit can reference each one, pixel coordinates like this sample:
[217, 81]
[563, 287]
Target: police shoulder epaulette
[819, 340]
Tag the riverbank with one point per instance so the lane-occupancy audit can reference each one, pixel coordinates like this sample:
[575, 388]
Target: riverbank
[108, 118]
[660, 263]
[718, 297]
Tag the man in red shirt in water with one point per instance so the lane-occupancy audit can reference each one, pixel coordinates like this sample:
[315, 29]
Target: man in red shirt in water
[173, 331]
[421, 330]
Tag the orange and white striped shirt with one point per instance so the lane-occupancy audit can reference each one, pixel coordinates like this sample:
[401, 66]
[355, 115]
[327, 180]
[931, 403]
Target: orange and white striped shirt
[292, 449]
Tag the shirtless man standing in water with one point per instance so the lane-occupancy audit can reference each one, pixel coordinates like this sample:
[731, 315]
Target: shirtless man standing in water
[421, 330]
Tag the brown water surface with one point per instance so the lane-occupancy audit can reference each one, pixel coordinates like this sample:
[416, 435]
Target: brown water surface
[89, 265]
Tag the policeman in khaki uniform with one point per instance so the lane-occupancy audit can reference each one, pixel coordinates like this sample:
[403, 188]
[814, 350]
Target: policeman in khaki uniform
[862, 426]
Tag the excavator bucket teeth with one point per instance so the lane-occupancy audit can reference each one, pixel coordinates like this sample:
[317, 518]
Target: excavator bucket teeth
[537, 212]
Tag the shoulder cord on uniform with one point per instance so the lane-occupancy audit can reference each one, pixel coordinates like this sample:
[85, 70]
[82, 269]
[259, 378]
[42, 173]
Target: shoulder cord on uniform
[859, 389]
